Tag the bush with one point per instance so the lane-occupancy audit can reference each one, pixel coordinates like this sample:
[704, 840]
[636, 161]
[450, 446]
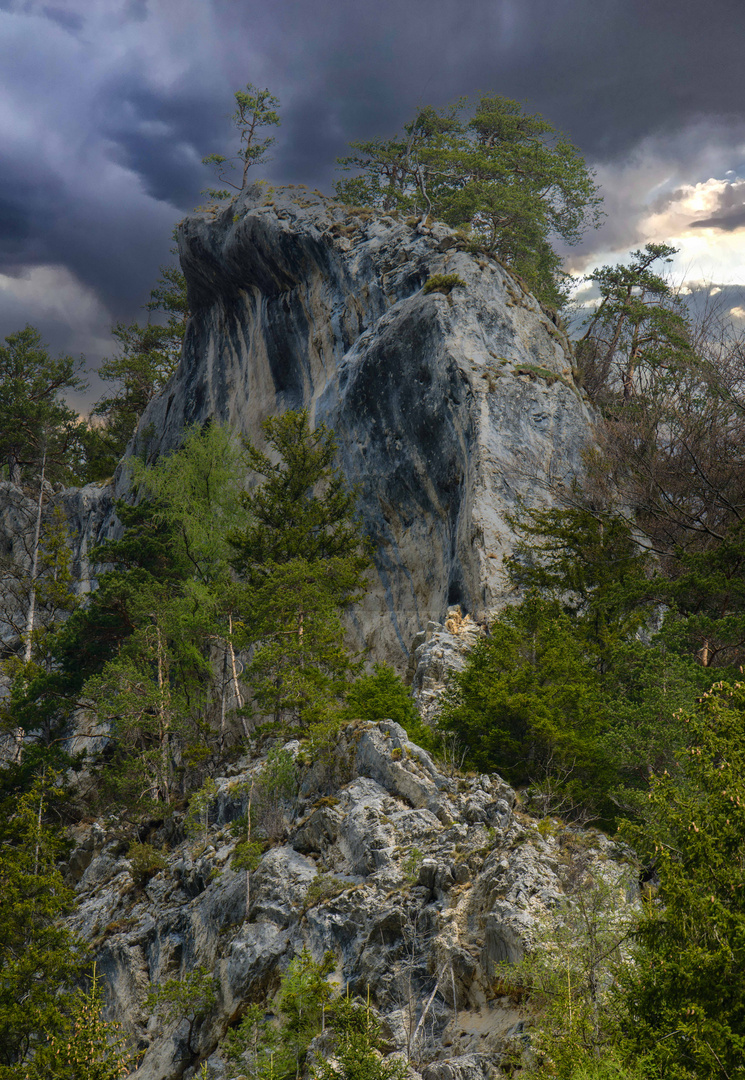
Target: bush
[443, 283]
[144, 861]
[529, 705]
[383, 695]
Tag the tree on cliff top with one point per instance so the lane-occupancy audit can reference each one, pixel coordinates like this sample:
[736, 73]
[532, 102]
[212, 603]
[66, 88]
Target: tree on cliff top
[508, 177]
[255, 109]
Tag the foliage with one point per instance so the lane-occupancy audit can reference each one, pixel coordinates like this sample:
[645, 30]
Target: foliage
[269, 1050]
[301, 1000]
[357, 1046]
[670, 389]
[255, 109]
[381, 694]
[273, 790]
[144, 861]
[35, 420]
[490, 167]
[686, 995]
[443, 283]
[38, 955]
[82, 645]
[188, 998]
[323, 887]
[87, 1047]
[639, 328]
[570, 973]
[52, 589]
[197, 818]
[195, 492]
[147, 357]
[253, 1043]
[302, 561]
[527, 703]
[591, 562]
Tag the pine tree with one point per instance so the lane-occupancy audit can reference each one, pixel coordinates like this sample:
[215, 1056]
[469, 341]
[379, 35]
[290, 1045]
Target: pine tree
[302, 561]
[529, 704]
[87, 1046]
[38, 955]
[35, 420]
[686, 992]
[503, 174]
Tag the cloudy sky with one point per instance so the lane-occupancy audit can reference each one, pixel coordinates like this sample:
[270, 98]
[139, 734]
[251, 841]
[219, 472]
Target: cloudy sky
[108, 106]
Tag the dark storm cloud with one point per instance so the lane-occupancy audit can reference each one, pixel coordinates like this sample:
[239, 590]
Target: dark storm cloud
[68, 20]
[108, 106]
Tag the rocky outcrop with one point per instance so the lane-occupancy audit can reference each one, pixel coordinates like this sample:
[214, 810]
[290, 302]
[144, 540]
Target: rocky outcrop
[421, 884]
[447, 405]
[436, 652]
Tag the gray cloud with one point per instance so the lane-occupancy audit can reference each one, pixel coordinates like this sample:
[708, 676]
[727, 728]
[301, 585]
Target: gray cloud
[109, 106]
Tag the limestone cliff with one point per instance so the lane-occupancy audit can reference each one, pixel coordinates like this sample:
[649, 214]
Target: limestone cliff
[447, 406]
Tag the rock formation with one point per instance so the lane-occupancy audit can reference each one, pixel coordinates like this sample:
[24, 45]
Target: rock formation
[415, 880]
[447, 405]
[451, 393]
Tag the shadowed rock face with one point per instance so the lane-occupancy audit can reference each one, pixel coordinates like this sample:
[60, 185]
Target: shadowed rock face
[445, 407]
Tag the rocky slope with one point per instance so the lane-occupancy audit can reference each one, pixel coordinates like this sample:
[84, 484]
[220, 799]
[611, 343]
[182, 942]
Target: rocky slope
[421, 884]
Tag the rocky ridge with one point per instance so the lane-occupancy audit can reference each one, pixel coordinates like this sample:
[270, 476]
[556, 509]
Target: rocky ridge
[420, 883]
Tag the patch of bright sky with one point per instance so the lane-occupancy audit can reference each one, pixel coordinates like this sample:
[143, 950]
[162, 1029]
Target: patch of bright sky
[705, 256]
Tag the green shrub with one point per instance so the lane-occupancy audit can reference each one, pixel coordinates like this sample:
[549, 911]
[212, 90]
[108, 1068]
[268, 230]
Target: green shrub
[383, 695]
[443, 283]
[323, 887]
[144, 861]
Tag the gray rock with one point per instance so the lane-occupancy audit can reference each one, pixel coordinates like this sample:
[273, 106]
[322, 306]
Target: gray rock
[415, 909]
[445, 408]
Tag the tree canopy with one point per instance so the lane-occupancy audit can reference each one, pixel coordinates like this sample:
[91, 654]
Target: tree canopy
[506, 176]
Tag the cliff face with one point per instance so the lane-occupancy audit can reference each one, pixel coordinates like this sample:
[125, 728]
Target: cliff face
[447, 407]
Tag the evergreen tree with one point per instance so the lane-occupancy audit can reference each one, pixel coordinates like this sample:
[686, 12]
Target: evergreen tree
[686, 992]
[42, 702]
[302, 561]
[35, 421]
[38, 955]
[500, 172]
[87, 1047]
[255, 109]
[147, 357]
[590, 562]
[638, 331]
[529, 705]
[357, 1046]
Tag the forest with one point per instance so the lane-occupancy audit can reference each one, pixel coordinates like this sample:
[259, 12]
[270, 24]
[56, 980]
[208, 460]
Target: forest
[608, 693]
